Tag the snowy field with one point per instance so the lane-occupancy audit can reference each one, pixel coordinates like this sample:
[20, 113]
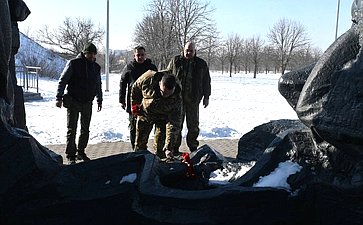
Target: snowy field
[237, 105]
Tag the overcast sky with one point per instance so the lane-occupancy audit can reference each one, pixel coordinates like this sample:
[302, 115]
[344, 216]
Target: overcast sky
[244, 17]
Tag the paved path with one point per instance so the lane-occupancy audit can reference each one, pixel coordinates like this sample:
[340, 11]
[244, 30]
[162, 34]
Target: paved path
[227, 147]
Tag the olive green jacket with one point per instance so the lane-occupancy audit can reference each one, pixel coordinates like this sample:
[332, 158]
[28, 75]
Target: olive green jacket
[200, 77]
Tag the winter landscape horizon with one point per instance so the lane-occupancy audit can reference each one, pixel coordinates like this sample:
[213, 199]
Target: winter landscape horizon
[237, 105]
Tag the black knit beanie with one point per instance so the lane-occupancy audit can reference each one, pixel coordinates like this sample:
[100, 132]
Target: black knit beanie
[89, 47]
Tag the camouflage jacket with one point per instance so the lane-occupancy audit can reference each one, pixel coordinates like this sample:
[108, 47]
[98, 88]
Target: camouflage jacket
[156, 109]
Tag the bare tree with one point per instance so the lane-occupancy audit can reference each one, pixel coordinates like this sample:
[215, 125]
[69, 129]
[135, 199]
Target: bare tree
[287, 36]
[157, 32]
[115, 61]
[70, 37]
[193, 20]
[233, 45]
[240, 50]
[268, 59]
[221, 55]
[207, 47]
[246, 55]
[301, 58]
[256, 46]
[169, 24]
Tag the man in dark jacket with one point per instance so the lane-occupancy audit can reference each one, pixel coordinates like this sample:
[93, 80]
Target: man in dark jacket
[130, 73]
[156, 100]
[193, 73]
[83, 80]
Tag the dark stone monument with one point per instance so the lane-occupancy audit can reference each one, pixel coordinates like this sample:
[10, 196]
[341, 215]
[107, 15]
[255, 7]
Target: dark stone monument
[18, 12]
[138, 188]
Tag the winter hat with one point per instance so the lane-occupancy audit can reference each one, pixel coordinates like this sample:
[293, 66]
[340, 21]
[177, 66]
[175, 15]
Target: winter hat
[89, 47]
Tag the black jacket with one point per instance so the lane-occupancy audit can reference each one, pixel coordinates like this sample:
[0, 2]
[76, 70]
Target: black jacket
[83, 80]
[130, 73]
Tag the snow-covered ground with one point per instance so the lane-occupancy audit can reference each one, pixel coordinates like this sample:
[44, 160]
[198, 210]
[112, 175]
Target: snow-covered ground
[237, 105]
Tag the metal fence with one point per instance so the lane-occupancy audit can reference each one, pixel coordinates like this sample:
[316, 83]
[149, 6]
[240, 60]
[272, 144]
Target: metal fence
[28, 77]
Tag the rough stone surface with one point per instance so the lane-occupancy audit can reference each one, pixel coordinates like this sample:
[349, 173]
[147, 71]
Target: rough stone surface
[138, 188]
[292, 83]
[252, 145]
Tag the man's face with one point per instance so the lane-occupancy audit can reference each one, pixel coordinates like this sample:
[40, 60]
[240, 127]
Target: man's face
[139, 56]
[164, 91]
[90, 56]
[189, 51]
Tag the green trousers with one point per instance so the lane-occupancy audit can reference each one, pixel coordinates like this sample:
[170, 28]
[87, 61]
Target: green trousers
[190, 112]
[132, 127]
[143, 129]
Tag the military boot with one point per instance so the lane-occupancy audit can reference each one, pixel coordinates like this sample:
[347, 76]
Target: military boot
[81, 155]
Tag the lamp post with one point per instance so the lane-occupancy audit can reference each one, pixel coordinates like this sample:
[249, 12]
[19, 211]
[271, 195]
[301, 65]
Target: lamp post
[107, 66]
[336, 26]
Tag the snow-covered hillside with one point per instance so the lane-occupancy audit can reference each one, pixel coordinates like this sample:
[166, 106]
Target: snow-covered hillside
[33, 54]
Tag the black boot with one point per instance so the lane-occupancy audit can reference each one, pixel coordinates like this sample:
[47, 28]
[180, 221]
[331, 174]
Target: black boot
[81, 155]
[71, 159]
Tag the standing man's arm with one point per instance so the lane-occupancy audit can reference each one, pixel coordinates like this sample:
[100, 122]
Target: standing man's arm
[63, 81]
[171, 66]
[206, 86]
[153, 67]
[123, 85]
[99, 96]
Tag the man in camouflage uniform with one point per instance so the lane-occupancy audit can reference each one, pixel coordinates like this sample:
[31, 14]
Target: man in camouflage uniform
[156, 99]
[193, 72]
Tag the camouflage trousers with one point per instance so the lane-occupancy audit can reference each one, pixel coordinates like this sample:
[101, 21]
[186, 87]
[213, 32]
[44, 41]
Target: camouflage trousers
[74, 110]
[132, 127]
[190, 112]
[143, 129]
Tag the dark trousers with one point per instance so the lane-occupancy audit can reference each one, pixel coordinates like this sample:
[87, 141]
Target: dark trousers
[190, 112]
[75, 110]
[19, 108]
[132, 127]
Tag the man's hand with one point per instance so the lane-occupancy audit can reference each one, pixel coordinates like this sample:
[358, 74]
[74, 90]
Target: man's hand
[99, 106]
[123, 105]
[205, 102]
[135, 110]
[59, 103]
[169, 154]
